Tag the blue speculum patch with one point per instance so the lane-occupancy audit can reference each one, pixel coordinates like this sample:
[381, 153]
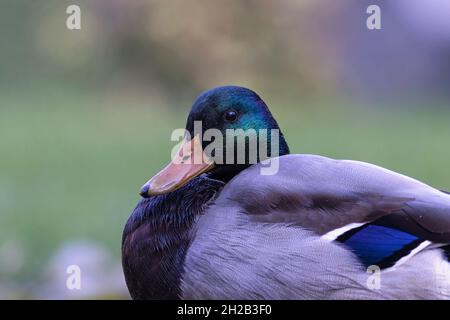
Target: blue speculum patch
[374, 244]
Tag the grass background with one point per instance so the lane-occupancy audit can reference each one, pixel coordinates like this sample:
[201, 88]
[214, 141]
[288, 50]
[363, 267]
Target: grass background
[72, 163]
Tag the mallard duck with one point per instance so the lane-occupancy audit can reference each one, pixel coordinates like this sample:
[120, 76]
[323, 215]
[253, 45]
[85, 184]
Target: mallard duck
[318, 228]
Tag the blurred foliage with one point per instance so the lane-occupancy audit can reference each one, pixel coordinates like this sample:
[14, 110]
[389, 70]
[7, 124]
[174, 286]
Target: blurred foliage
[172, 48]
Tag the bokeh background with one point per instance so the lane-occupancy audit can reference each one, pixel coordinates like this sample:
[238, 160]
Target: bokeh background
[86, 115]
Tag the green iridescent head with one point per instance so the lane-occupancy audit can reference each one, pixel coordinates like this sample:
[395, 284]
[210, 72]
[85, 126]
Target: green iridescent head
[245, 133]
[233, 107]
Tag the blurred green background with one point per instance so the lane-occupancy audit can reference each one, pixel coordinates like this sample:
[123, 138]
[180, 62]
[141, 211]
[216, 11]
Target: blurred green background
[86, 115]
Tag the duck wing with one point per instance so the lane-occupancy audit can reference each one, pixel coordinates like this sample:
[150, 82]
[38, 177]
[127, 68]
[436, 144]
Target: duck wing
[381, 215]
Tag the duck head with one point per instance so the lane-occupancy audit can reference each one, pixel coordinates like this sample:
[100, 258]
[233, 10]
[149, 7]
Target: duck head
[228, 129]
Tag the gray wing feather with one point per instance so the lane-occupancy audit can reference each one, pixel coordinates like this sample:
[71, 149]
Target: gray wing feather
[234, 255]
[322, 194]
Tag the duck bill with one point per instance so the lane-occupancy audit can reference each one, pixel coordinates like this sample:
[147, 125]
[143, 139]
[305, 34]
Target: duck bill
[187, 163]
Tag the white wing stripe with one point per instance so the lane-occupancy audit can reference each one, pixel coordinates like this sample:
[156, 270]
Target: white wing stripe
[334, 234]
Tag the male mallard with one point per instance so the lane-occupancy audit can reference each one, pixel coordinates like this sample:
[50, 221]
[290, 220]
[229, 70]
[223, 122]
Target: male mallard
[317, 229]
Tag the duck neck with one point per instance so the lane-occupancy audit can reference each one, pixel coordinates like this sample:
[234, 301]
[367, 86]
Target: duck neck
[226, 172]
[157, 237]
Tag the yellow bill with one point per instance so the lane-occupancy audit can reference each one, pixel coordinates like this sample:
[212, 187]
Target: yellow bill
[188, 162]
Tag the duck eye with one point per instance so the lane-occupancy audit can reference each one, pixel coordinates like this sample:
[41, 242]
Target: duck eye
[230, 115]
